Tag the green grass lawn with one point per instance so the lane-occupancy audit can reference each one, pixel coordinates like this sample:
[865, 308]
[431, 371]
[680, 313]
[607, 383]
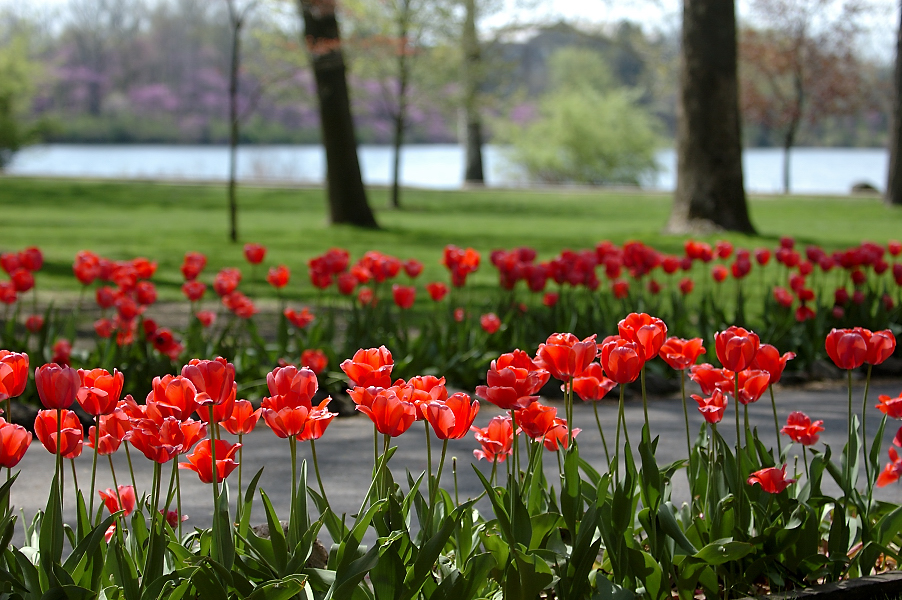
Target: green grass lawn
[162, 221]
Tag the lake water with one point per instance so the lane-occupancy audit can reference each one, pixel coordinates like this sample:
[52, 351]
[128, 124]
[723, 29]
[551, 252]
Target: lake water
[440, 166]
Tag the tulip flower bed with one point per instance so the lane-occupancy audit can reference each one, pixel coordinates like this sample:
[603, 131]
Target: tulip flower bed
[788, 293]
[585, 531]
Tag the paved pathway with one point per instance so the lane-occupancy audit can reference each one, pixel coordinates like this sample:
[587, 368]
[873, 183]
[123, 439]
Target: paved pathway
[346, 450]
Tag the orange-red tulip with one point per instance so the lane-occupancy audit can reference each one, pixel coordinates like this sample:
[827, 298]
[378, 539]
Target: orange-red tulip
[314, 359]
[680, 354]
[213, 379]
[712, 408]
[159, 442]
[173, 396]
[14, 441]
[881, 346]
[57, 385]
[292, 387]
[297, 421]
[892, 471]
[772, 480]
[649, 333]
[71, 435]
[556, 436]
[591, 385]
[497, 439]
[243, 418]
[736, 347]
[403, 295]
[536, 419]
[752, 385]
[620, 359]
[254, 253]
[278, 276]
[563, 355]
[370, 367]
[710, 378]
[99, 392]
[13, 374]
[801, 430]
[513, 380]
[768, 359]
[201, 460]
[111, 498]
[847, 348]
[891, 407]
[391, 415]
[452, 418]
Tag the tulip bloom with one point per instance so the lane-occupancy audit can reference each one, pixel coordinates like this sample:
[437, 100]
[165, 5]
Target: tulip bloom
[111, 498]
[881, 345]
[712, 408]
[768, 359]
[710, 378]
[556, 436]
[891, 407]
[201, 460]
[591, 385]
[681, 354]
[314, 359]
[14, 441]
[213, 379]
[563, 355]
[403, 295]
[301, 422]
[736, 347]
[391, 415]
[513, 380]
[292, 387]
[174, 396]
[57, 385]
[536, 419]
[158, 441]
[847, 348]
[452, 418]
[772, 480]
[892, 471]
[437, 290]
[71, 435]
[13, 374]
[620, 359]
[278, 277]
[497, 439]
[243, 418]
[254, 253]
[194, 289]
[801, 430]
[648, 333]
[490, 323]
[752, 385]
[370, 367]
[299, 319]
[99, 392]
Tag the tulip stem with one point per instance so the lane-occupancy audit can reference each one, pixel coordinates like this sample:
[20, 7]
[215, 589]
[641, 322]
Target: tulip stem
[848, 469]
[686, 418]
[75, 479]
[94, 442]
[178, 500]
[738, 453]
[454, 474]
[115, 484]
[569, 408]
[59, 456]
[607, 457]
[773, 403]
[617, 442]
[645, 404]
[516, 458]
[805, 459]
[864, 431]
[429, 482]
[322, 490]
[240, 464]
[131, 470]
[169, 490]
[438, 480]
[292, 447]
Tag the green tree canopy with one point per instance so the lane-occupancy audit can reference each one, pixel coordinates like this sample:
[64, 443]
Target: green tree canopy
[17, 73]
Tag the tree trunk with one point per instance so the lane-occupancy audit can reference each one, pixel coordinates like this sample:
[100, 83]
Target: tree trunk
[347, 196]
[234, 124]
[710, 191]
[894, 180]
[473, 172]
[401, 115]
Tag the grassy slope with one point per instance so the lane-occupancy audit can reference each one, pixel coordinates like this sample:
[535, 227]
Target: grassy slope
[163, 221]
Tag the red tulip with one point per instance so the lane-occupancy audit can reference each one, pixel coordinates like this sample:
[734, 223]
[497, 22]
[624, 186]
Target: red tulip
[556, 436]
[201, 460]
[62, 351]
[174, 396]
[403, 295]
[314, 359]
[291, 387]
[391, 415]
[783, 297]
[563, 355]
[297, 421]
[71, 435]
[13, 374]
[768, 359]
[536, 419]
[710, 379]
[111, 498]
[9, 261]
[881, 345]
[371, 367]
[620, 359]
[206, 317]
[412, 267]
[432, 386]
[160, 440]
[847, 348]
[712, 408]
[452, 418]
[719, 273]
[34, 323]
[278, 276]
[490, 323]
[801, 430]
[299, 319]
[22, 280]
[892, 471]
[772, 480]
[891, 407]
[497, 439]
[648, 333]
[254, 253]
[437, 290]
[99, 392]
[193, 264]
[591, 385]
[57, 385]
[194, 289]
[213, 379]
[752, 385]
[14, 441]
[7, 293]
[145, 293]
[686, 286]
[681, 354]
[243, 418]
[226, 281]
[736, 347]
[512, 381]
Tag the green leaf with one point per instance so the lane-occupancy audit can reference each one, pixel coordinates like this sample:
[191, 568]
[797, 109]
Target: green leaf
[571, 498]
[722, 551]
[276, 537]
[283, 589]
[248, 504]
[670, 526]
[51, 535]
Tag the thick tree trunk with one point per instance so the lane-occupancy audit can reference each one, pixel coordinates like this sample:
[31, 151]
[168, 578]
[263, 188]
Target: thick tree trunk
[710, 191]
[894, 180]
[347, 196]
[473, 172]
[233, 126]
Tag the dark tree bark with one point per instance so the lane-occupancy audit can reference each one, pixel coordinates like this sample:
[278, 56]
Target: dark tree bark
[710, 191]
[347, 196]
[894, 180]
[473, 172]
[400, 117]
[236, 20]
